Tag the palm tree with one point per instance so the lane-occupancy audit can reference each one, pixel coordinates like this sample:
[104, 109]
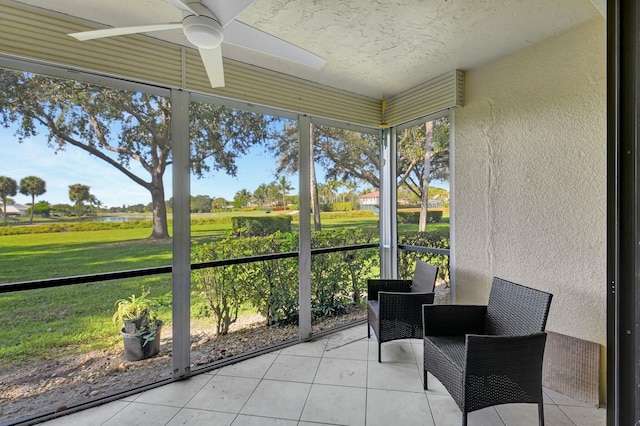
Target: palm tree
[95, 204]
[34, 186]
[242, 198]
[79, 193]
[8, 187]
[260, 194]
[284, 187]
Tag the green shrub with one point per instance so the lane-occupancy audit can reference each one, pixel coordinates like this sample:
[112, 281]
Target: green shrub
[352, 213]
[342, 207]
[249, 226]
[409, 217]
[435, 239]
[221, 286]
[271, 286]
[433, 216]
[339, 279]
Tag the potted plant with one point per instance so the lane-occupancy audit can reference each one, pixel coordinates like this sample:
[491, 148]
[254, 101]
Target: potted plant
[141, 326]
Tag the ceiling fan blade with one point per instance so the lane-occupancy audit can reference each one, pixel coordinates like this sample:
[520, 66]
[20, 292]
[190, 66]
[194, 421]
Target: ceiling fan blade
[110, 32]
[227, 10]
[212, 60]
[246, 36]
[183, 6]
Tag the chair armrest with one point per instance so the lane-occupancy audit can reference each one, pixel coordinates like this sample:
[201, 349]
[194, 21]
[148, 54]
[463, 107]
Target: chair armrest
[404, 307]
[513, 359]
[453, 320]
[376, 285]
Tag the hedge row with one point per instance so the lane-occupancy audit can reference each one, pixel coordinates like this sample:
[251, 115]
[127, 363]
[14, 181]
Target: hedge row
[257, 226]
[73, 227]
[434, 239]
[433, 216]
[271, 286]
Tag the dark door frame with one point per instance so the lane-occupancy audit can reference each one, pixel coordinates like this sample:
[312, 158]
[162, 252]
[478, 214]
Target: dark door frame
[623, 232]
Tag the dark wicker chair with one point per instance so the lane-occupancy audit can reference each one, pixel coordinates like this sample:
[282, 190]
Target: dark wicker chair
[489, 355]
[394, 306]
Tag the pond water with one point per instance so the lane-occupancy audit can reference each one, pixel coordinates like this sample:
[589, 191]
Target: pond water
[114, 218]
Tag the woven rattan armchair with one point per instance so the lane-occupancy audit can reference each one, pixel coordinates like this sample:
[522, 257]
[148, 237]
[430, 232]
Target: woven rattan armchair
[394, 306]
[489, 355]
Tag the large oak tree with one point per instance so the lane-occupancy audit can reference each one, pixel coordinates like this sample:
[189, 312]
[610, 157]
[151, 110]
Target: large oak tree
[345, 155]
[121, 127]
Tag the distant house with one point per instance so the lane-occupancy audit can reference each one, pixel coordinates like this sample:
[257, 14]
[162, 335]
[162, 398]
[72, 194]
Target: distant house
[22, 209]
[14, 210]
[370, 199]
[373, 199]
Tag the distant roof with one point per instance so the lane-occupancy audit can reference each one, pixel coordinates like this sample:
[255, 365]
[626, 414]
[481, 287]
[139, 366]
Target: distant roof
[10, 209]
[374, 194]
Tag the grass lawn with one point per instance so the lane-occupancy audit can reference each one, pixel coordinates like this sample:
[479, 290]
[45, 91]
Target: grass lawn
[47, 323]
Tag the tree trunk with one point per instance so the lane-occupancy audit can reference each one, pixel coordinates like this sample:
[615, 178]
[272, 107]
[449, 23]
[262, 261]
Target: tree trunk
[160, 227]
[424, 202]
[315, 204]
[4, 210]
[33, 207]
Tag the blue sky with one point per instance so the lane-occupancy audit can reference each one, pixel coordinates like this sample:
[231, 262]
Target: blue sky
[34, 158]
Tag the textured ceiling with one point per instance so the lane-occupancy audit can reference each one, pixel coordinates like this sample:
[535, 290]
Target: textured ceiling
[373, 48]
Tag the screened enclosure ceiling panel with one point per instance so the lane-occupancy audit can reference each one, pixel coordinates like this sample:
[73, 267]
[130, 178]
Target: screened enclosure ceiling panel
[372, 48]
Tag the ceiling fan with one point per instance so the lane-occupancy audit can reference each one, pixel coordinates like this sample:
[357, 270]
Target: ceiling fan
[207, 24]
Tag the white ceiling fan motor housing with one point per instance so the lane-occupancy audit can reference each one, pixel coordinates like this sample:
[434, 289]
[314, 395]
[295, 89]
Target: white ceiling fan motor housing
[202, 31]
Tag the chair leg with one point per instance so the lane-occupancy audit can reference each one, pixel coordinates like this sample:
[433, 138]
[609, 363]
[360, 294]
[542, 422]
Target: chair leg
[379, 345]
[426, 386]
[368, 331]
[541, 413]
[464, 418]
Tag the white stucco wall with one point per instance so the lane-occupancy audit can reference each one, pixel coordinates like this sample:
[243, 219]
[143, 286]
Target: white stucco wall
[530, 178]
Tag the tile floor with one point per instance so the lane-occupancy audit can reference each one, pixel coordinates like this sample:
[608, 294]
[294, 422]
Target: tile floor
[335, 380]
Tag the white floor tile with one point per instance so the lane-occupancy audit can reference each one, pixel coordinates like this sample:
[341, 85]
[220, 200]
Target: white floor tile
[175, 394]
[293, 368]
[91, 417]
[243, 420]
[223, 393]
[343, 372]
[136, 414]
[313, 348]
[444, 410]
[278, 399]
[585, 416]
[394, 351]
[435, 386]
[253, 367]
[358, 350]
[192, 417]
[386, 407]
[394, 376]
[486, 417]
[560, 399]
[335, 405]
[353, 333]
[527, 414]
